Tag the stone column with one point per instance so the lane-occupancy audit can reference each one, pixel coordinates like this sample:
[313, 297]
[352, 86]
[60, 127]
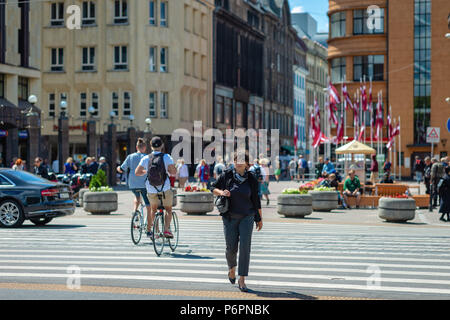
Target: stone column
[132, 138]
[33, 143]
[12, 145]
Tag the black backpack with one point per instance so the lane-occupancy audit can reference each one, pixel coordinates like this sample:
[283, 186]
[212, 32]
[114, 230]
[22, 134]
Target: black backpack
[156, 172]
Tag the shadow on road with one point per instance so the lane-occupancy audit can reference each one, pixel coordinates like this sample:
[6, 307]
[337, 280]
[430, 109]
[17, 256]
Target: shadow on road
[52, 227]
[186, 256]
[281, 295]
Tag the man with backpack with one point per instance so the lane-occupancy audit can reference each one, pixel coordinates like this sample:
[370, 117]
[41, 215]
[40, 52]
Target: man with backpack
[256, 169]
[158, 166]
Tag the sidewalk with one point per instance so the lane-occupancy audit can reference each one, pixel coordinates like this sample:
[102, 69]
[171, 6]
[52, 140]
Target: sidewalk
[364, 217]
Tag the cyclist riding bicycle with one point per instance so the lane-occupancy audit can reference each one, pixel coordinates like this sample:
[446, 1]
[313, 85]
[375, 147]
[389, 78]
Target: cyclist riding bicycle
[157, 167]
[136, 184]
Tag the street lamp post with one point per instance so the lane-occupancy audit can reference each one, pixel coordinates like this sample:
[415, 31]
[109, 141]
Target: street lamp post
[33, 130]
[63, 136]
[131, 133]
[91, 134]
[148, 131]
[112, 150]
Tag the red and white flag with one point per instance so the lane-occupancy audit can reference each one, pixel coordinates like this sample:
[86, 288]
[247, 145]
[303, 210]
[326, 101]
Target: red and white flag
[332, 115]
[334, 95]
[363, 96]
[395, 132]
[361, 132]
[340, 131]
[379, 118]
[347, 99]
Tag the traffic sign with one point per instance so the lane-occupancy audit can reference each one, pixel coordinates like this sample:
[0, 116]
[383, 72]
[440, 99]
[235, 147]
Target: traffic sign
[433, 134]
[448, 124]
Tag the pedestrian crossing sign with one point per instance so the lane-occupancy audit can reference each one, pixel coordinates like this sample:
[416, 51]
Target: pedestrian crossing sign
[433, 134]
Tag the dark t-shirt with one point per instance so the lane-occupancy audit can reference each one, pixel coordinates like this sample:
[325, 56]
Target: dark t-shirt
[241, 203]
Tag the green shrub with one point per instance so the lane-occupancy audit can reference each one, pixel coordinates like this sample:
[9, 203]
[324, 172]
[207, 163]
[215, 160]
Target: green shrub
[98, 181]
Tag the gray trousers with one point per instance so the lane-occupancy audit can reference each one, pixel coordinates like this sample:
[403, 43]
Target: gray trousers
[238, 234]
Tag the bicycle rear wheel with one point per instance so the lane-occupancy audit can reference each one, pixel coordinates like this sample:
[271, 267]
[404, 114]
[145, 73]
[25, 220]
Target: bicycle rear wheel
[136, 227]
[158, 234]
[173, 243]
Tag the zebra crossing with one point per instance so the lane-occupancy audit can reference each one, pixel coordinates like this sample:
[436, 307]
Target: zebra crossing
[335, 260]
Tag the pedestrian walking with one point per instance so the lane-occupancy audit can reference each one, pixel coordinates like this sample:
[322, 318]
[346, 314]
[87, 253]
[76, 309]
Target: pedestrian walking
[277, 171]
[302, 168]
[136, 184]
[241, 187]
[69, 167]
[265, 172]
[387, 166]
[257, 171]
[319, 168]
[437, 172]
[219, 168]
[182, 173]
[427, 175]
[444, 193]
[203, 173]
[418, 169]
[374, 170]
[292, 169]
[157, 167]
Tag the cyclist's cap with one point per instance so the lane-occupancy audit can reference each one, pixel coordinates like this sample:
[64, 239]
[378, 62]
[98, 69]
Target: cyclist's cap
[156, 142]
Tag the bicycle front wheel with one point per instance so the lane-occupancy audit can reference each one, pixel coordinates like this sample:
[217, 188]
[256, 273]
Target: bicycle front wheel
[173, 243]
[158, 234]
[136, 227]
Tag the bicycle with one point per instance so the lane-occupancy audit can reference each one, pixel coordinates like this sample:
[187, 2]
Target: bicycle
[139, 225]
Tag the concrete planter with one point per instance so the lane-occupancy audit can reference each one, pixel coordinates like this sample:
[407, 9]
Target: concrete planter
[196, 202]
[324, 200]
[80, 195]
[397, 210]
[100, 202]
[294, 205]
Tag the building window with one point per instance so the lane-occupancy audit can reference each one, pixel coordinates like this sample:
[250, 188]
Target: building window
[164, 6]
[152, 13]
[83, 104]
[88, 13]
[219, 109]
[163, 60]
[51, 105]
[88, 63]
[338, 70]
[164, 107]
[152, 60]
[368, 66]
[120, 11]
[2, 85]
[23, 88]
[57, 14]
[227, 111]
[57, 63]
[361, 26]
[152, 104]
[251, 116]
[422, 69]
[239, 114]
[115, 103]
[126, 103]
[120, 58]
[338, 24]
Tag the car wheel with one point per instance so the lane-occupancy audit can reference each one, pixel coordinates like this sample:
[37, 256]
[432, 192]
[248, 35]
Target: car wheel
[11, 214]
[41, 221]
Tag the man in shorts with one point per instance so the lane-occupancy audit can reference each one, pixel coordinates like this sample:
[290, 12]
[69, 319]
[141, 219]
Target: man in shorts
[136, 184]
[163, 189]
[351, 188]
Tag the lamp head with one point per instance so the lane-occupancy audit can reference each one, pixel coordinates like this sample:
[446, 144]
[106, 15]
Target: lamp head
[112, 114]
[91, 110]
[148, 121]
[131, 117]
[32, 99]
[63, 105]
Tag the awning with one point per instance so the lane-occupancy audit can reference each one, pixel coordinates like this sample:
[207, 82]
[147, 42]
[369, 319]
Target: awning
[355, 147]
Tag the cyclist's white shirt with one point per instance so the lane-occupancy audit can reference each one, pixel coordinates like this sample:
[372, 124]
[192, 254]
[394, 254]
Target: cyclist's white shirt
[167, 162]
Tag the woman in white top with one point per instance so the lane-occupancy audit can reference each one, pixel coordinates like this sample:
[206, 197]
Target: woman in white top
[182, 173]
[18, 165]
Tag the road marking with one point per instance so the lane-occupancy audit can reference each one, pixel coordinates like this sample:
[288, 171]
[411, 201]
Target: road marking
[219, 281]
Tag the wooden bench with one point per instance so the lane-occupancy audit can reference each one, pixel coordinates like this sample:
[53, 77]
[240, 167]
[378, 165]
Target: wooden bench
[390, 189]
[422, 201]
[366, 201]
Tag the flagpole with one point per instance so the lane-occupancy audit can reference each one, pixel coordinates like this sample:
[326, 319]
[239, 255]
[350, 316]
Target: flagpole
[382, 115]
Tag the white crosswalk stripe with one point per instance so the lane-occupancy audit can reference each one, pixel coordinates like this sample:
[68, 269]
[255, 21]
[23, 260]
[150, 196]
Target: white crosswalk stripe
[297, 256]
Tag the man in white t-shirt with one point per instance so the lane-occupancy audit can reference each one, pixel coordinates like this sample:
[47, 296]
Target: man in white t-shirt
[164, 189]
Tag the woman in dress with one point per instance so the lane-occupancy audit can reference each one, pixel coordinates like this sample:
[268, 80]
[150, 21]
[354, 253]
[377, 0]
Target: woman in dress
[203, 173]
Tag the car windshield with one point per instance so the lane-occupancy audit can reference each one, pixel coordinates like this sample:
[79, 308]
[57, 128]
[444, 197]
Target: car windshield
[28, 177]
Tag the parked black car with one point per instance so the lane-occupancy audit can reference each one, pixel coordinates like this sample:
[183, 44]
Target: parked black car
[26, 196]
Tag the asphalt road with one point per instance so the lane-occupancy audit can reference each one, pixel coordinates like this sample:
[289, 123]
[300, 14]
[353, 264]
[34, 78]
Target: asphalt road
[338, 255]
